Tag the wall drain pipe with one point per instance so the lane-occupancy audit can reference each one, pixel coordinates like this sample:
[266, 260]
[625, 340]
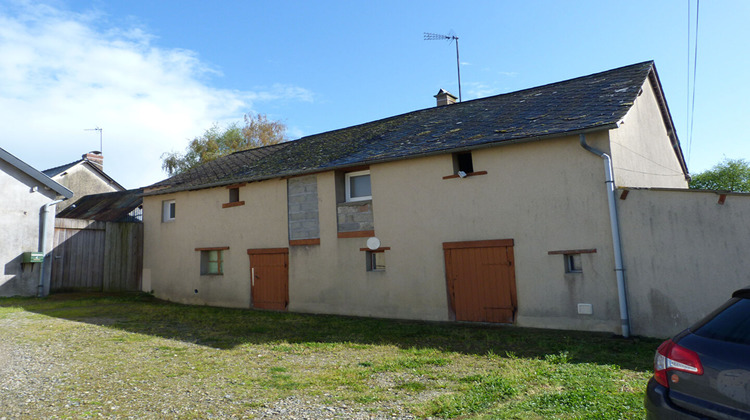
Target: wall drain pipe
[43, 243]
[619, 270]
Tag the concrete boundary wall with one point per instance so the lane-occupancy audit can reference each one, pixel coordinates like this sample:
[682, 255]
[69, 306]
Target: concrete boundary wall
[685, 252]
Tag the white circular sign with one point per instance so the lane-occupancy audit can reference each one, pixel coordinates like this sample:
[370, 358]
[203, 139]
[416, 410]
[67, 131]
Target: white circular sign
[373, 243]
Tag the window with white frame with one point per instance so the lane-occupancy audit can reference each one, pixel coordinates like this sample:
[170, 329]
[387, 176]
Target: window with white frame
[357, 185]
[167, 210]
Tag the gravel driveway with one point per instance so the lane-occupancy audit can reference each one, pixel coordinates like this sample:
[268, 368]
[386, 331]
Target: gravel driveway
[37, 381]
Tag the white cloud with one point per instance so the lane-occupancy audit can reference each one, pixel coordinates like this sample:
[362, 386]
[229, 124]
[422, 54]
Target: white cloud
[480, 90]
[60, 75]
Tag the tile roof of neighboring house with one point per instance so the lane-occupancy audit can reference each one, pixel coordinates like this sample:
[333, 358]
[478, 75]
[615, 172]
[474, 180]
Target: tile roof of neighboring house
[53, 172]
[35, 174]
[105, 207]
[594, 102]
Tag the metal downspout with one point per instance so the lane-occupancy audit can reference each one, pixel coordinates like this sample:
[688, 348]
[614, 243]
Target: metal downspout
[43, 244]
[619, 270]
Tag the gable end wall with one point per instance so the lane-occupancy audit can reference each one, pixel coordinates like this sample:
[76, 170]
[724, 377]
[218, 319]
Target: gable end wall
[642, 154]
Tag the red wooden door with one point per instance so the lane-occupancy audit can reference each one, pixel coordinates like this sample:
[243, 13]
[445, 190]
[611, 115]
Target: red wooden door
[481, 280]
[269, 278]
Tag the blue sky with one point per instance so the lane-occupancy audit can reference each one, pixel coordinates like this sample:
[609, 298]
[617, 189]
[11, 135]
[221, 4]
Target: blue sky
[153, 74]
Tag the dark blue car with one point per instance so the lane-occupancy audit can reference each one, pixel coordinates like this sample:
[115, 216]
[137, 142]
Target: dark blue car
[704, 371]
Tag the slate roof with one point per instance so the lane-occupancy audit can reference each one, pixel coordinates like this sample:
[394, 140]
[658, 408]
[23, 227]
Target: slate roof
[594, 102]
[52, 172]
[35, 174]
[60, 169]
[105, 207]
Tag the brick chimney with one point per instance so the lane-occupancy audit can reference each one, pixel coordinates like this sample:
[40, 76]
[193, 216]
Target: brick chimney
[96, 158]
[445, 98]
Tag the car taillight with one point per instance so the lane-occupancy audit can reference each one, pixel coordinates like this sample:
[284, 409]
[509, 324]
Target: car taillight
[671, 356]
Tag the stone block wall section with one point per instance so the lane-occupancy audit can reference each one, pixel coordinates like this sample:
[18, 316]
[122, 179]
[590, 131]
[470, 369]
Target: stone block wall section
[354, 217]
[302, 199]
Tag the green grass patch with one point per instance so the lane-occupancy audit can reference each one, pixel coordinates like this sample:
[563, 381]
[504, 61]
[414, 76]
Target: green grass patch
[482, 392]
[149, 358]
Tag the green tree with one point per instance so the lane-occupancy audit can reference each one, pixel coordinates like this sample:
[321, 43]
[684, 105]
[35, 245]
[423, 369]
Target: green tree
[217, 142]
[727, 175]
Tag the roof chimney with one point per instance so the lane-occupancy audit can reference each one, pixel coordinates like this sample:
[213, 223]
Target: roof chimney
[445, 98]
[96, 158]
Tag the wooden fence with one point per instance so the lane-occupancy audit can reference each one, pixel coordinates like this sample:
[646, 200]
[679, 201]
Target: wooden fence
[96, 256]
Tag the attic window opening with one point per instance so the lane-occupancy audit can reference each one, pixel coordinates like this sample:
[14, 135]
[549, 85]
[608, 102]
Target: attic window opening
[234, 196]
[462, 162]
[463, 166]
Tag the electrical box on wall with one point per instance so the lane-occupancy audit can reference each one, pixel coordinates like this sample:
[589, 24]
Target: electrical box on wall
[585, 309]
[33, 257]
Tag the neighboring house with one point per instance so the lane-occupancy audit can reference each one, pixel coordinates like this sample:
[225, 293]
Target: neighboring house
[27, 214]
[119, 206]
[489, 210]
[84, 177]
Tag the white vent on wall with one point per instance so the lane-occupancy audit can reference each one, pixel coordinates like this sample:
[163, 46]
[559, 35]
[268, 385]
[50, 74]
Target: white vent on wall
[585, 309]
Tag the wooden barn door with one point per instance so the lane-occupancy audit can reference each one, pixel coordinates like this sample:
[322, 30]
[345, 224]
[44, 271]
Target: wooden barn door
[269, 278]
[96, 256]
[78, 256]
[481, 280]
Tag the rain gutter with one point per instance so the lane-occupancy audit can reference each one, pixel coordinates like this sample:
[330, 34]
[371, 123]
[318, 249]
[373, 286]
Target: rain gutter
[43, 243]
[615, 225]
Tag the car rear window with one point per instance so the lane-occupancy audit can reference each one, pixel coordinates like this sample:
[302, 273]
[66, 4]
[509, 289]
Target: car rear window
[732, 324]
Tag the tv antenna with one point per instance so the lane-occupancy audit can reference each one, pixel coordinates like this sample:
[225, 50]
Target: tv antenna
[100, 136]
[434, 37]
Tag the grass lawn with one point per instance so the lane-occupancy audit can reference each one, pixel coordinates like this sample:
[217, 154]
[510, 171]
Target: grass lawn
[137, 356]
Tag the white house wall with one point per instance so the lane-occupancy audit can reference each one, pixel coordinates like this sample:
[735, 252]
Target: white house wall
[546, 196]
[642, 154]
[171, 264]
[20, 214]
[684, 255]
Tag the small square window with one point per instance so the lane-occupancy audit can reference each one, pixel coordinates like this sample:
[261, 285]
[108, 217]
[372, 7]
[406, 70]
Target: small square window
[234, 195]
[358, 186]
[375, 260]
[212, 262]
[462, 162]
[573, 263]
[167, 210]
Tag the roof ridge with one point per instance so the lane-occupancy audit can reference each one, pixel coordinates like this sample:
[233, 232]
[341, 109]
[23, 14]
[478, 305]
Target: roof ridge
[650, 62]
[596, 101]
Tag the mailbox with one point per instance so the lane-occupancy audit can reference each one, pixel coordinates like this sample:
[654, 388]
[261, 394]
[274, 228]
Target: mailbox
[33, 257]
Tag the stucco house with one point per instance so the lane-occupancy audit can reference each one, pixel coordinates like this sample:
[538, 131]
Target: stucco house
[27, 214]
[84, 176]
[501, 209]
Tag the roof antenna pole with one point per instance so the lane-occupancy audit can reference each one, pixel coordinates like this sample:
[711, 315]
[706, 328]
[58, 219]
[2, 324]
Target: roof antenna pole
[432, 37]
[100, 136]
